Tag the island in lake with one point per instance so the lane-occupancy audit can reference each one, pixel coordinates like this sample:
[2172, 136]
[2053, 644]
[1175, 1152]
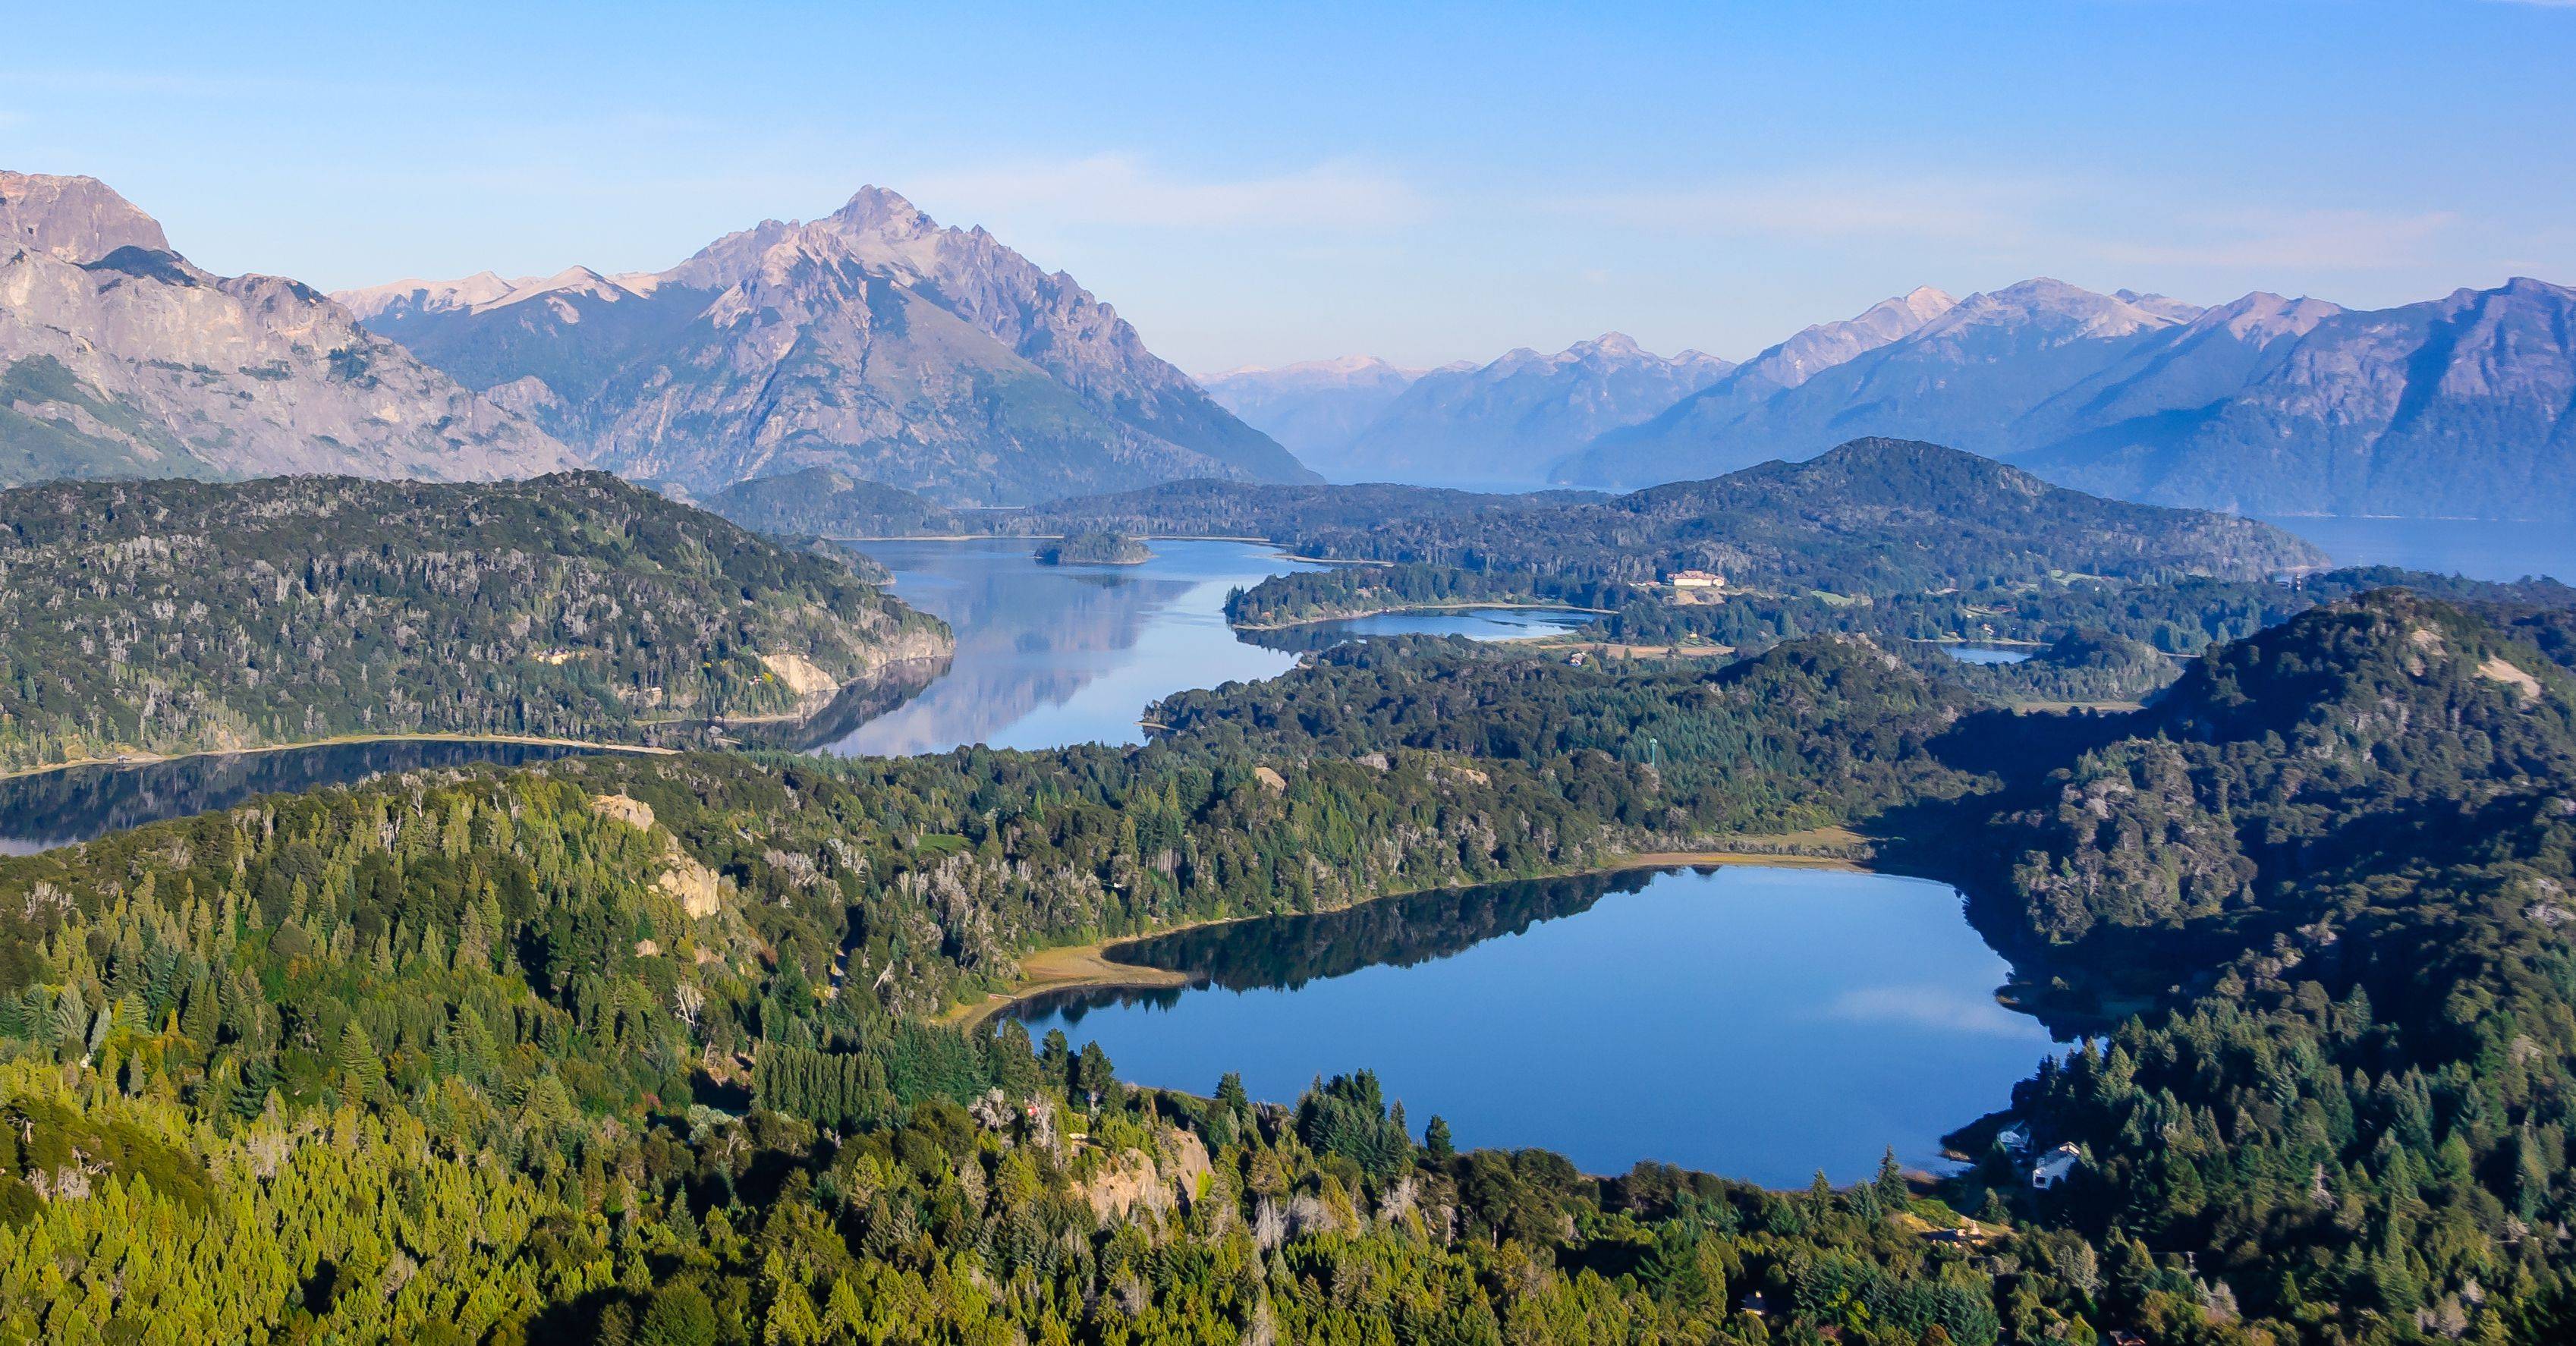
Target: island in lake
[1094, 548]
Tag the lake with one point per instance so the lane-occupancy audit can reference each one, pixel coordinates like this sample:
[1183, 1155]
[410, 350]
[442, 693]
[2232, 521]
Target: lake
[1754, 1021]
[1984, 654]
[2485, 549]
[1046, 656]
[1053, 655]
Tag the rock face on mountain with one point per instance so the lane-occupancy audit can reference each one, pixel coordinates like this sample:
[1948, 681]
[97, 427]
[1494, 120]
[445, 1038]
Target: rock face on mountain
[1503, 423]
[1634, 455]
[118, 358]
[871, 340]
[1314, 408]
[1963, 375]
[2463, 406]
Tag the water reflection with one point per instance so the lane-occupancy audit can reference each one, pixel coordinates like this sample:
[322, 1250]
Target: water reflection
[1053, 655]
[1751, 1021]
[1474, 624]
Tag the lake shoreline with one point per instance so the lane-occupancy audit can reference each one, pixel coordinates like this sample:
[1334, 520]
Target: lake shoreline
[1405, 608]
[1088, 966]
[339, 741]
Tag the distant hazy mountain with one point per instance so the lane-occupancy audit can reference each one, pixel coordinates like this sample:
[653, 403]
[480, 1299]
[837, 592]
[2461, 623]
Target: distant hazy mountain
[871, 341]
[118, 358]
[2464, 406]
[1314, 408]
[1503, 423]
[1960, 374]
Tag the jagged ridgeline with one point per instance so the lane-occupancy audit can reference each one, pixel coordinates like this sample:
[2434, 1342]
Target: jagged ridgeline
[174, 616]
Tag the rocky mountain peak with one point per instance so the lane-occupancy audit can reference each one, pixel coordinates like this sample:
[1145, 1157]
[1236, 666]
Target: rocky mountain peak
[2263, 316]
[74, 219]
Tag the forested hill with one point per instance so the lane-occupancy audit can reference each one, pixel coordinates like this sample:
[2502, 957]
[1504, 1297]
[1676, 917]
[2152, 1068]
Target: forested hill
[821, 502]
[1872, 517]
[633, 1049]
[179, 616]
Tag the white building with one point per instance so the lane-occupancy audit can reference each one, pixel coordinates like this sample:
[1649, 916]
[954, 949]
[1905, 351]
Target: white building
[1696, 579]
[2053, 1167]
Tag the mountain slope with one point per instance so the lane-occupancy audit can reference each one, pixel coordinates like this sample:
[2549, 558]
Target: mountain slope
[168, 616]
[2462, 406]
[1314, 408]
[118, 358]
[1637, 455]
[1506, 421]
[871, 341]
[1963, 378]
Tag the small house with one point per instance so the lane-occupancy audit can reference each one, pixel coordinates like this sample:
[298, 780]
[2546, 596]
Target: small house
[1696, 579]
[2054, 1166]
[2015, 1138]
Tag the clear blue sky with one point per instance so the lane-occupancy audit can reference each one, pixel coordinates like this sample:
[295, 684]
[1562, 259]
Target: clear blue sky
[1256, 185]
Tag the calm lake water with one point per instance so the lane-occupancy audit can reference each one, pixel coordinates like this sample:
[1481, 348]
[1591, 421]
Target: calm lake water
[1984, 654]
[1046, 656]
[1758, 1022]
[1052, 655]
[2484, 549]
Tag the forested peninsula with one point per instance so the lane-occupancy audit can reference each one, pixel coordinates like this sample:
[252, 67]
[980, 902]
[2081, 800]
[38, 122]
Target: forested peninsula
[636, 1050]
[180, 616]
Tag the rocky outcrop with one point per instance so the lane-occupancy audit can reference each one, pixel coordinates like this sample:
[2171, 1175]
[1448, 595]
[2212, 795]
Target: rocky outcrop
[118, 357]
[872, 341]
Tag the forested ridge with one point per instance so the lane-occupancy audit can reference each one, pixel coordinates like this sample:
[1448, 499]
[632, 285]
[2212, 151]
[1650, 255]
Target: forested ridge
[174, 616]
[562, 1054]
[1874, 516]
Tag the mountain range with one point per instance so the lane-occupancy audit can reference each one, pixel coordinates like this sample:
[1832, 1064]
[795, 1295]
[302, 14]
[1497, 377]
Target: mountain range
[871, 341]
[119, 357]
[2462, 406]
[1498, 424]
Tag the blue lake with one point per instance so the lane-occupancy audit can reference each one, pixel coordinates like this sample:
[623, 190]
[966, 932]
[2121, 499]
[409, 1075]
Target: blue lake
[1984, 654]
[1759, 1022]
[1053, 655]
[1046, 656]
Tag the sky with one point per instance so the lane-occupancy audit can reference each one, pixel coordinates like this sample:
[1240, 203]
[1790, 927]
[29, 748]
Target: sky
[1256, 185]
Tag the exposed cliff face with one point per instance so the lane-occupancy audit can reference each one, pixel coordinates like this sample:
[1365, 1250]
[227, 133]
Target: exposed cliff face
[2465, 406]
[120, 358]
[871, 340]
